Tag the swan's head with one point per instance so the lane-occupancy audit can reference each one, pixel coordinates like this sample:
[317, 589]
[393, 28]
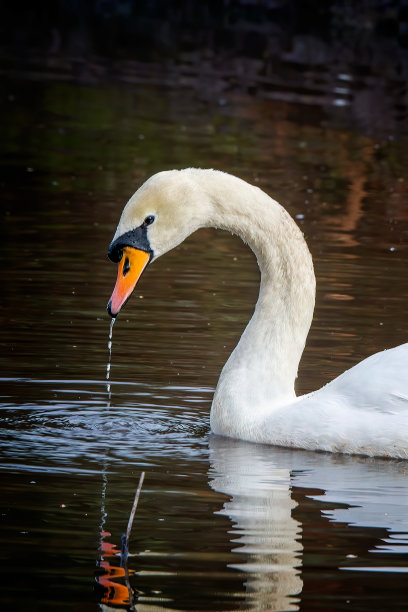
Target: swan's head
[166, 209]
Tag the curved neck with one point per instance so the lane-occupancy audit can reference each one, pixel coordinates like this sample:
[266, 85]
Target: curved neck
[263, 367]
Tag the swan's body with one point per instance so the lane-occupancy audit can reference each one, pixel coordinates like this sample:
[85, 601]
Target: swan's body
[365, 410]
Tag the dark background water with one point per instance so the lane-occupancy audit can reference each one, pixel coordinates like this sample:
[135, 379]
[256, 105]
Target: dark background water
[307, 102]
[351, 55]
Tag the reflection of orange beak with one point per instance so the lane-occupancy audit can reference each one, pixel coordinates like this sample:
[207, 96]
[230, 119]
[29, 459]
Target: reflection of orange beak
[130, 268]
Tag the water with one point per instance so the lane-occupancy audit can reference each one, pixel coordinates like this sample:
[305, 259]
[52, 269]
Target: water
[108, 365]
[220, 525]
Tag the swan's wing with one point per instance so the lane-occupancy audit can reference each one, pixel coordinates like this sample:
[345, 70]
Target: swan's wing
[378, 383]
[363, 411]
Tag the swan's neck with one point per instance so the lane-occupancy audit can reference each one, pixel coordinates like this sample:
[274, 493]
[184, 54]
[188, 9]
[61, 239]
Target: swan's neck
[262, 369]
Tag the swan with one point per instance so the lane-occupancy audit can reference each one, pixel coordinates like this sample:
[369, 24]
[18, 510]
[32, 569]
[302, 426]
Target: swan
[363, 411]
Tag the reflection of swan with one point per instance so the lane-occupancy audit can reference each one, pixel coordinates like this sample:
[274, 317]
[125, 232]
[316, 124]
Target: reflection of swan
[259, 479]
[365, 410]
[264, 531]
[375, 490]
[259, 482]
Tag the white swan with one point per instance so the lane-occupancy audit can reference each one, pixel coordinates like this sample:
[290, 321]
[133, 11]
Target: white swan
[363, 411]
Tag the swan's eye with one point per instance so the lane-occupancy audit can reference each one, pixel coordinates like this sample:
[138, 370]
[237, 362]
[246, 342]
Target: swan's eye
[148, 221]
[126, 266]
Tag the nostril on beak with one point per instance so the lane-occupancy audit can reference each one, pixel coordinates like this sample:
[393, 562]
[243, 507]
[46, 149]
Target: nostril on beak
[126, 266]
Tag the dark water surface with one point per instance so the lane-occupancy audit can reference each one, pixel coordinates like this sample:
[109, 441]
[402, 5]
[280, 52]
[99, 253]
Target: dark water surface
[221, 525]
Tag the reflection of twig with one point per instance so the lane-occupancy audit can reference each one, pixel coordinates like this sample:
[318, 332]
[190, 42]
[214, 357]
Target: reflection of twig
[125, 537]
[124, 552]
[132, 514]
[127, 580]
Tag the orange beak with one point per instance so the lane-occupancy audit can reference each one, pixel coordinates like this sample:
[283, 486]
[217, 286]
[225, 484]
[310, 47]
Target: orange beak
[130, 269]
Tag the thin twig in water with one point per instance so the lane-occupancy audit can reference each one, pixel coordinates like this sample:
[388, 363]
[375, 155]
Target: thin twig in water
[125, 537]
[132, 514]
